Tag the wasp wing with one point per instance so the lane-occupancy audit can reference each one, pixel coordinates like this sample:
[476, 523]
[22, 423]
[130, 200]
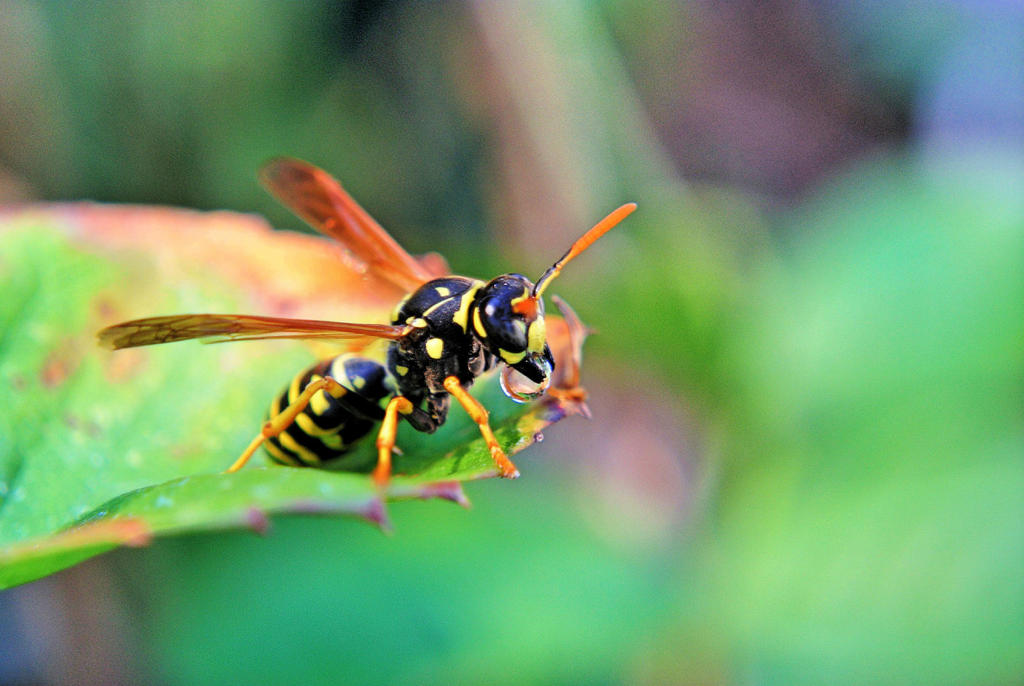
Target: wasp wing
[219, 328]
[316, 197]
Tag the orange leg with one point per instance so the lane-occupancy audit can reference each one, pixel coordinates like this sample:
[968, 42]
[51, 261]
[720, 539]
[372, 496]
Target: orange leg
[478, 413]
[275, 425]
[386, 438]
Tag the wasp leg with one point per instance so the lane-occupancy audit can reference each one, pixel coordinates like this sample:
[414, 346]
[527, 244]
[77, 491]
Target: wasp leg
[275, 425]
[478, 413]
[386, 437]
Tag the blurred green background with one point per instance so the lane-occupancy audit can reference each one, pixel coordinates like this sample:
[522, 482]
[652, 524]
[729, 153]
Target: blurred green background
[807, 459]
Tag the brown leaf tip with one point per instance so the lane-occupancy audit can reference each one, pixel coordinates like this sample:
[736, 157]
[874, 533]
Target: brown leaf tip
[257, 520]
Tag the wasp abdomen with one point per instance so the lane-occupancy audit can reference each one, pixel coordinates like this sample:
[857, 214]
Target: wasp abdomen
[330, 425]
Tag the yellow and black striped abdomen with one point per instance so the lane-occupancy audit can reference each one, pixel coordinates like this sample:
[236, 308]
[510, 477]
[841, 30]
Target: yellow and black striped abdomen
[330, 424]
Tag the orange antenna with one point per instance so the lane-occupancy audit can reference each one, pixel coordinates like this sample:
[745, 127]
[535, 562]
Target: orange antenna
[581, 244]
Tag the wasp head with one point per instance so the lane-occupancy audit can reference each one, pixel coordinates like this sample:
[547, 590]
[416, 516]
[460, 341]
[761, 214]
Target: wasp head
[509, 321]
[509, 317]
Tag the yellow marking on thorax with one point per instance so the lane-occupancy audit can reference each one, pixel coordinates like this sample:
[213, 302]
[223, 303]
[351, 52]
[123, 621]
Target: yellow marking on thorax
[435, 348]
[442, 291]
[461, 316]
[477, 324]
[401, 369]
[436, 305]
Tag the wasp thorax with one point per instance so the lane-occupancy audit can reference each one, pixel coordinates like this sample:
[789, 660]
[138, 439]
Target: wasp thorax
[510, 322]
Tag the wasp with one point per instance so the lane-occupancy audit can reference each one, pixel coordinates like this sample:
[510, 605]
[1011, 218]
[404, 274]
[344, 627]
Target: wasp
[444, 334]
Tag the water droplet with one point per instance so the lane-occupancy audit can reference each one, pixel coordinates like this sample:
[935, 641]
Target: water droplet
[519, 388]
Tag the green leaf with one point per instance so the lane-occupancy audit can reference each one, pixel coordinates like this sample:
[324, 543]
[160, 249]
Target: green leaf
[100, 448]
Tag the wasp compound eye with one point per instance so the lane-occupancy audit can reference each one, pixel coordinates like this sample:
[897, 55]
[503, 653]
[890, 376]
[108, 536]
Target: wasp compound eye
[506, 331]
